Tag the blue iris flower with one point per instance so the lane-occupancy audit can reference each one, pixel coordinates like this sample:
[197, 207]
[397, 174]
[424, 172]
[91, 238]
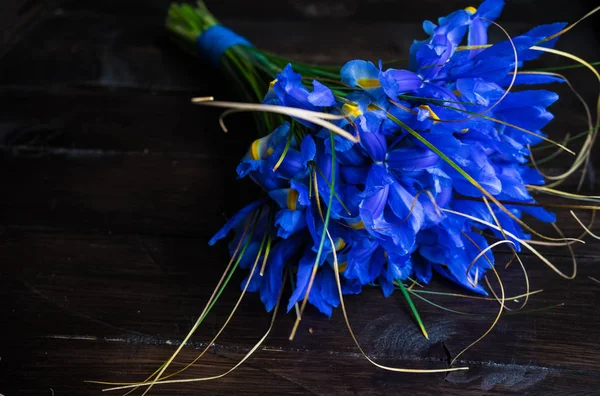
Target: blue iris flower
[236, 221]
[290, 91]
[324, 292]
[386, 214]
[397, 82]
[362, 74]
[290, 218]
[428, 56]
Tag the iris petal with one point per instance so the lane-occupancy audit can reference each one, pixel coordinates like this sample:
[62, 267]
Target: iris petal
[356, 72]
[411, 159]
[396, 82]
[236, 220]
[321, 96]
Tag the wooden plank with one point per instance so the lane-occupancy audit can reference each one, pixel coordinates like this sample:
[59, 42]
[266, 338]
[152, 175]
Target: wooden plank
[97, 123]
[166, 280]
[137, 192]
[17, 16]
[370, 10]
[122, 193]
[276, 373]
[66, 294]
[100, 49]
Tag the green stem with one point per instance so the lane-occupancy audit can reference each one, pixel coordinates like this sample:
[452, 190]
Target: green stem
[329, 203]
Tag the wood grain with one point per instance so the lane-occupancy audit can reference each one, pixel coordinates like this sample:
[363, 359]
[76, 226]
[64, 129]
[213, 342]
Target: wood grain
[53, 284]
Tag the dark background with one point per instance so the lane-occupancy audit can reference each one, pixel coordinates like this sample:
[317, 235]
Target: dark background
[113, 183]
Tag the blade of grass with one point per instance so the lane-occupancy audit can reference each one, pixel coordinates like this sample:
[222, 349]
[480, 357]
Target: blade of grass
[559, 68]
[412, 308]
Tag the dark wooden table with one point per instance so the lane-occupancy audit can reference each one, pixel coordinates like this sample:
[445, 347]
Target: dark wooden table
[113, 184]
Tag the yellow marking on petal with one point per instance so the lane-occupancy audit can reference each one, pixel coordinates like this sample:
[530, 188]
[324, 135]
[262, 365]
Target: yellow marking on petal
[340, 244]
[358, 225]
[270, 151]
[272, 83]
[368, 83]
[464, 130]
[471, 10]
[292, 199]
[255, 150]
[431, 112]
[342, 267]
[457, 93]
[351, 110]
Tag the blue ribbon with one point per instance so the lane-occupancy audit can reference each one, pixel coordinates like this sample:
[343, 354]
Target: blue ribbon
[215, 40]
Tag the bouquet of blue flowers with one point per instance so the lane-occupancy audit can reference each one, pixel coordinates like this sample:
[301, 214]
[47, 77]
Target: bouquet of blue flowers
[383, 176]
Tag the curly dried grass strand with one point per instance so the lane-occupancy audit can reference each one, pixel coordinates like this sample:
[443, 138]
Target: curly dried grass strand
[587, 229]
[515, 254]
[250, 353]
[586, 147]
[164, 366]
[318, 118]
[249, 225]
[595, 129]
[527, 244]
[345, 314]
[233, 311]
[502, 300]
